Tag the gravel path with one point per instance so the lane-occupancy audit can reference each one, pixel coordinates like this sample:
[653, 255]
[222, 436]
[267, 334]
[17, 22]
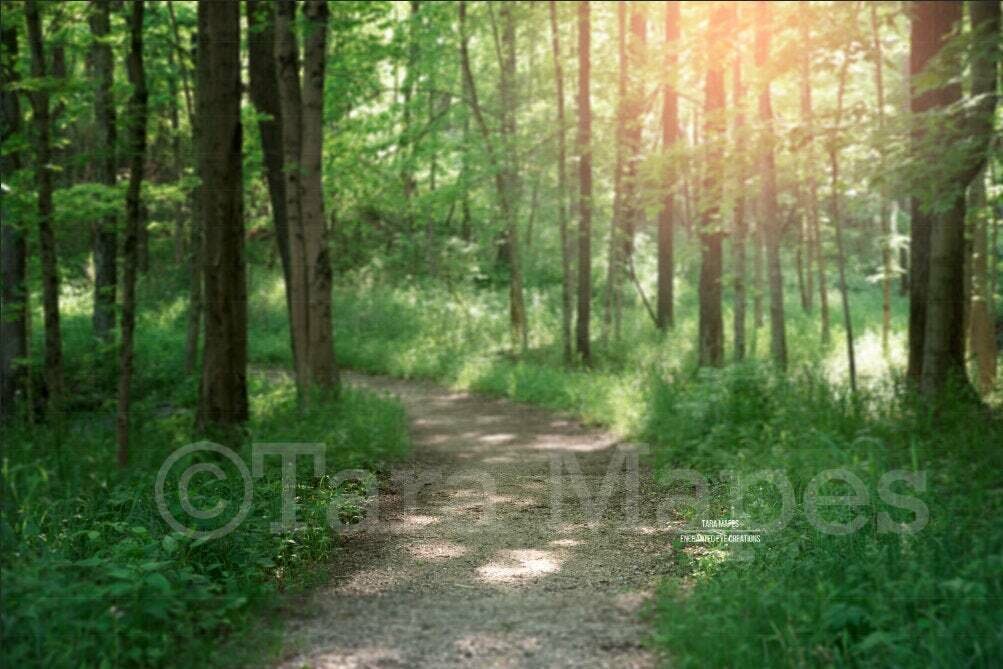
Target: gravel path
[468, 566]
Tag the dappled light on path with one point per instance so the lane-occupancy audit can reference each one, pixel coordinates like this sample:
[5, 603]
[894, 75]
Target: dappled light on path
[469, 564]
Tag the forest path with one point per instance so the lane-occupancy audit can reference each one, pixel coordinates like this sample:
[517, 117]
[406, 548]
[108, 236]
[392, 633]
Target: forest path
[469, 568]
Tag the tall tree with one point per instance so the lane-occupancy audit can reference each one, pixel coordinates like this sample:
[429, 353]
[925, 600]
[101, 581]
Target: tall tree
[670, 135]
[13, 249]
[567, 307]
[617, 230]
[810, 190]
[931, 26]
[105, 237]
[264, 90]
[740, 227]
[323, 372]
[771, 219]
[223, 392]
[507, 91]
[883, 209]
[137, 156]
[944, 336]
[837, 220]
[501, 158]
[43, 180]
[584, 143]
[711, 325]
[291, 114]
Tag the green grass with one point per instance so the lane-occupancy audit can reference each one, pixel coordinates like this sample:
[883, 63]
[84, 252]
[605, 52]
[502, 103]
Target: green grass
[84, 549]
[92, 574]
[801, 597]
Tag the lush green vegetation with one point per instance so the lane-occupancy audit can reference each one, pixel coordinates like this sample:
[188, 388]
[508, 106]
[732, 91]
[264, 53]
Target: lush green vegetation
[94, 576]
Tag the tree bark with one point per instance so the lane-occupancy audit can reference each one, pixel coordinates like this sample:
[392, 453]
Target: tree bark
[47, 237]
[811, 188]
[137, 156]
[740, 226]
[567, 289]
[323, 372]
[944, 336]
[584, 142]
[264, 89]
[517, 308]
[838, 223]
[711, 325]
[931, 26]
[291, 105]
[670, 135]
[617, 229]
[771, 219]
[106, 237]
[884, 222]
[223, 395]
[13, 249]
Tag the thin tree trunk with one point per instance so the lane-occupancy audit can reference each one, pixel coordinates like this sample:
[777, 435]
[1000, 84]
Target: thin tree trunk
[178, 166]
[771, 219]
[196, 240]
[814, 225]
[137, 156]
[106, 237]
[13, 249]
[982, 337]
[264, 89]
[501, 165]
[711, 325]
[584, 142]
[567, 288]
[323, 372]
[614, 259]
[838, 223]
[47, 237]
[223, 394]
[291, 105]
[884, 223]
[740, 225]
[670, 135]
[517, 308]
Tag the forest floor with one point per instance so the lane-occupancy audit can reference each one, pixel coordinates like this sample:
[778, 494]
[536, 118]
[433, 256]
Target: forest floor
[467, 566]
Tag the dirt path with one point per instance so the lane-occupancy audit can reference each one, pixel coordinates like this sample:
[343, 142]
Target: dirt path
[463, 575]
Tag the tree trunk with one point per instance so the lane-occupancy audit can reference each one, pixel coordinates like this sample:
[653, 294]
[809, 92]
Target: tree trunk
[838, 223]
[740, 227]
[106, 237]
[811, 188]
[670, 135]
[944, 336]
[287, 58]
[223, 394]
[931, 26]
[584, 142]
[502, 165]
[567, 306]
[771, 219]
[196, 240]
[323, 373]
[137, 156]
[46, 235]
[711, 326]
[264, 89]
[982, 337]
[617, 229]
[13, 250]
[884, 222]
